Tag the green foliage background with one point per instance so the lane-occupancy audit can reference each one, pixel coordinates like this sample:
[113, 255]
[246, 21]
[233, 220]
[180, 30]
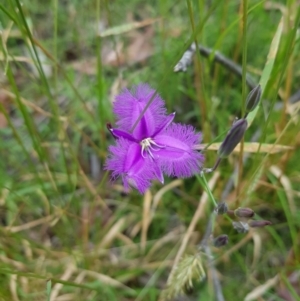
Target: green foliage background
[67, 232]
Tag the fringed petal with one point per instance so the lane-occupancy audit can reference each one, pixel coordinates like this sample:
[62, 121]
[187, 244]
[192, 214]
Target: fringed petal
[178, 157]
[125, 161]
[122, 134]
[129, 106]
[168, 120]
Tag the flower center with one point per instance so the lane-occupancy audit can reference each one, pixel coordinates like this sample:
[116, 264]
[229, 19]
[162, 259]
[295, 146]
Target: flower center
[148, 146]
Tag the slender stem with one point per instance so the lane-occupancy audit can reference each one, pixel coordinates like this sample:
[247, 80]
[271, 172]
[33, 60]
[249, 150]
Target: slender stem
[209, 170]
[99, 75]
[244, 66]
[198, 75]
[55, 25]
[208, 232]
[290, 68]
[204, 184]
[244, 61]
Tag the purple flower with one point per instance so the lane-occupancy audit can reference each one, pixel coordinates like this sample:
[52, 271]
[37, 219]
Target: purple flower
[154, 146]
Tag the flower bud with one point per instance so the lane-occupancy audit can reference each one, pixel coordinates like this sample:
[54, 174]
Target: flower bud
[234, 136]
[221, 241]
[253, 99]
[222, 208]
[241, 227]
[259, 224]
[244, 212]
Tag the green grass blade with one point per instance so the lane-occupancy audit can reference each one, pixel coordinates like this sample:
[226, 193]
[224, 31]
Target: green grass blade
[268, 68]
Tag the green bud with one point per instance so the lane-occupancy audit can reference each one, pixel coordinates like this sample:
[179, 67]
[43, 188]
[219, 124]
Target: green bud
[234, 136]
[253, 99]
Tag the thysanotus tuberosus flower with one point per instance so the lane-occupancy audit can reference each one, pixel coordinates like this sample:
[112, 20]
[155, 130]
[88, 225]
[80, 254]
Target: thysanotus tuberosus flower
[154, 145]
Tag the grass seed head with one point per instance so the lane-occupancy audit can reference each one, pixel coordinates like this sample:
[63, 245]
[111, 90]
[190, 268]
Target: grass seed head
[188, 269]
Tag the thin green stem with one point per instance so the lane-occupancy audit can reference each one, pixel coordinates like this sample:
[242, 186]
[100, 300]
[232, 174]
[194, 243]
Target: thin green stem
[200, 89]
[55, 25]
[204, 184]
[198, 29]
[244, 61]
[100, 82]
[48, 289]
[244, 87]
